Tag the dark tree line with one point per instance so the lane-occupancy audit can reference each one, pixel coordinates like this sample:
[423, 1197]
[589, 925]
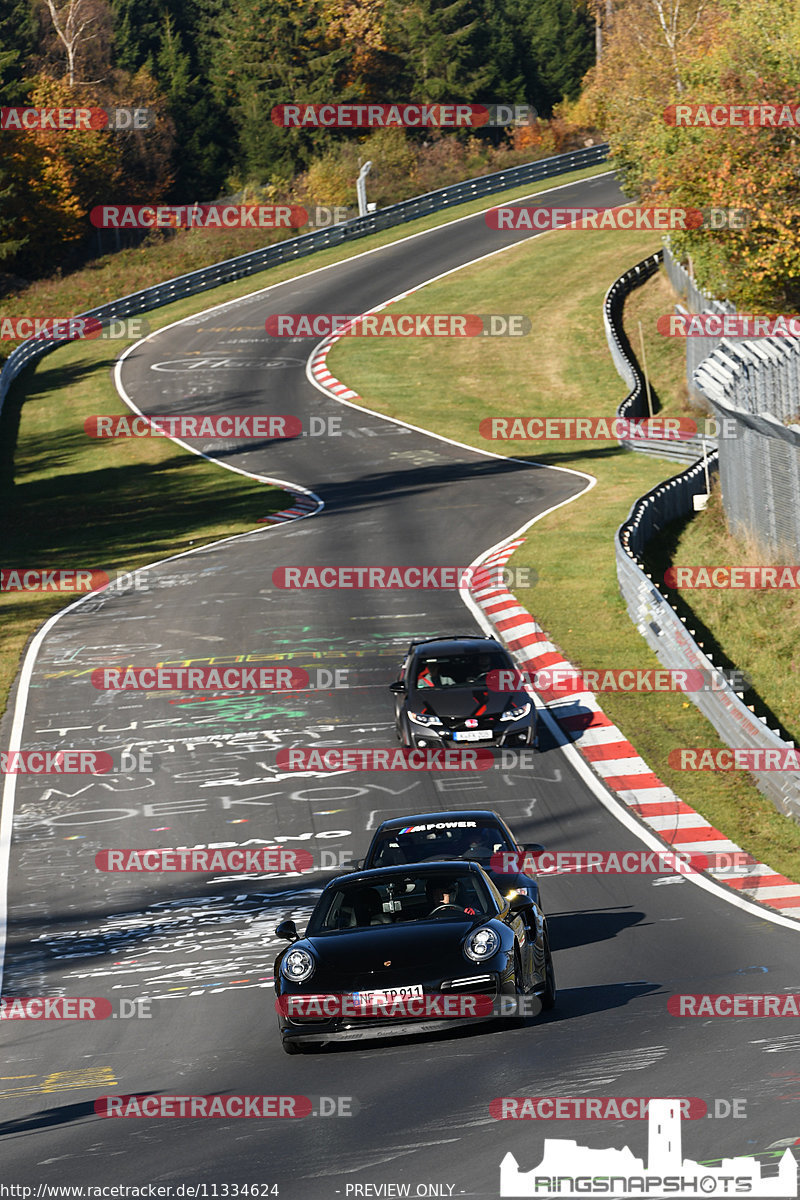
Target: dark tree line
[214, 69]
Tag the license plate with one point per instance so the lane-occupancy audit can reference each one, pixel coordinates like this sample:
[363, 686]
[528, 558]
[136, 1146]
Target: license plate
[473, 735]
[387, 995]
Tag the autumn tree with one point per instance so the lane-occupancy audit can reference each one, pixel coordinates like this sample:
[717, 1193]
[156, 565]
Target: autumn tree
[731, 52]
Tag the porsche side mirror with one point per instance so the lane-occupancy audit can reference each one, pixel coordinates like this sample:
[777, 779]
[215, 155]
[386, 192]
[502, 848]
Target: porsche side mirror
[521, 904]
[397, 687]
[288, 931]
[534, 848]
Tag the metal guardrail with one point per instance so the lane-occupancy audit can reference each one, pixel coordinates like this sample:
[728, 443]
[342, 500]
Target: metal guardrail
[634, 406]
[668, 636]
[309, 243]
[651, 612]
[756, 387]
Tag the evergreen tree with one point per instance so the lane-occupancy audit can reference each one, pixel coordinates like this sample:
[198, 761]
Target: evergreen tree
[560, 37]
[445, 44]
[271, 52]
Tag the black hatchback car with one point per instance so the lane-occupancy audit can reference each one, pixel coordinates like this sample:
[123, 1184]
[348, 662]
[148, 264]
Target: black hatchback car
[443, 696]
[474, 834]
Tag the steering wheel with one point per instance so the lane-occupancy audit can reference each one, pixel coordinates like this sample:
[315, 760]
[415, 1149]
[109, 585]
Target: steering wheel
[441, 907]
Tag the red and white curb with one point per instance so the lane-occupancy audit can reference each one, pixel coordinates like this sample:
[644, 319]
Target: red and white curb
[627, 777]
[319, 369]
[304, 506]
[613, 758]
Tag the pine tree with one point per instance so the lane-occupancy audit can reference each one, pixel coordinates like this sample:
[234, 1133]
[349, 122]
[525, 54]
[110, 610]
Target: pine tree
[560, 37]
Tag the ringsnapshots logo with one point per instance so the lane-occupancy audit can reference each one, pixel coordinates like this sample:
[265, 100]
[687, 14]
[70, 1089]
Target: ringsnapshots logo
[542, 219]
[569, 1170]
[400, 116]
[401, 325]
[80, 120]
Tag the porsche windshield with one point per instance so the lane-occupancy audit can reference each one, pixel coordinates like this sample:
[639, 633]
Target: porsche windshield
[477, 840]
[403, 898]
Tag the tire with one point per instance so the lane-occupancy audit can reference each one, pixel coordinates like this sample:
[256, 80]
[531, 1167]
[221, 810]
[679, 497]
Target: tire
[519, 985]
[548, 996]
[291, 1047]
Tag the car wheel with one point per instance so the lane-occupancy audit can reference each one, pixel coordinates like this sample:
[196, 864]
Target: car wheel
[519, 980]
[291, 1047]
[549, 993]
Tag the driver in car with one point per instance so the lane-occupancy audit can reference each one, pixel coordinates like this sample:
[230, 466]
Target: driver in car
[480, 843]
[442, 896]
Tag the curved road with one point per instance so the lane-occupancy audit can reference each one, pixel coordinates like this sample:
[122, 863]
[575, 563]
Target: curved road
[196, 951]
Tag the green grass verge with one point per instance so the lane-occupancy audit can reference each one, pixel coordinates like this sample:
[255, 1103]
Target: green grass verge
[564, 368]
[71, 502]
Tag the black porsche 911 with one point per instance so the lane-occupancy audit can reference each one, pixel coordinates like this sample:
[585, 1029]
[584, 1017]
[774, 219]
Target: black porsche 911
[399, 951]
[475, 834]
[443, 697]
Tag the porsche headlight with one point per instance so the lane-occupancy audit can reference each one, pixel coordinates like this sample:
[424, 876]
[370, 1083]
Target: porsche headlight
[297, 965]
[516, 714]
[481, 944]
[425, 718]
